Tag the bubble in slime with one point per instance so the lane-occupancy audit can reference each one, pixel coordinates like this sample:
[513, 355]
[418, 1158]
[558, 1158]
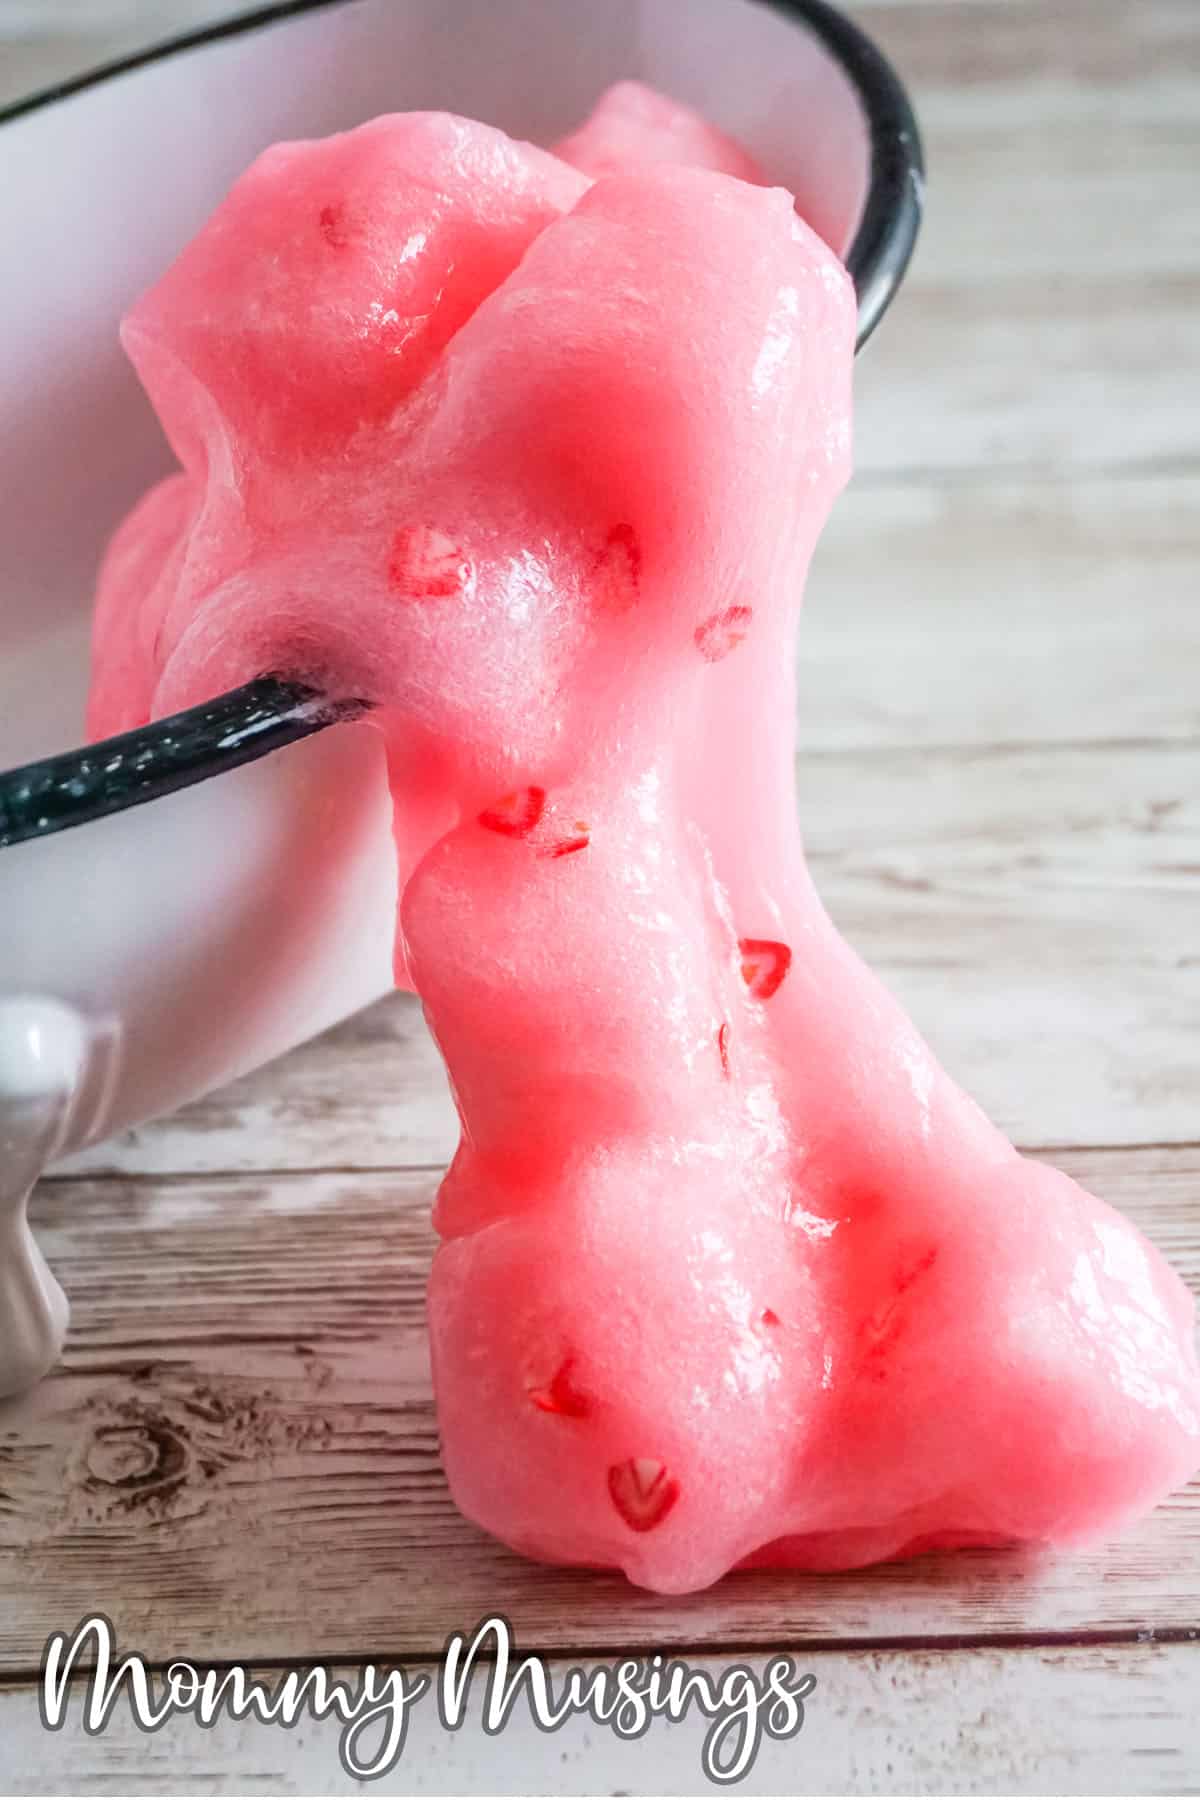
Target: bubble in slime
[730, 1271]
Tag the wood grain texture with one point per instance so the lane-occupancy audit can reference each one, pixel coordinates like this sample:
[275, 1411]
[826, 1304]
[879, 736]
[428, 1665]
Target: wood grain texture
[239, 1454]
[1027, 1721]
[1034, 907]
[1057, 1052]
[951, 612]
[999, 779]
[1050, 320]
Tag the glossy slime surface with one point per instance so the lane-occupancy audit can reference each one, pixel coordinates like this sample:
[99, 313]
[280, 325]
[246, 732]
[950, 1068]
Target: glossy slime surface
[731, 1272]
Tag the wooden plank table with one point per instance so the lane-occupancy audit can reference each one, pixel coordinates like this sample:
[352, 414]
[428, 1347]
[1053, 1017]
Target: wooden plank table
[1000, 778]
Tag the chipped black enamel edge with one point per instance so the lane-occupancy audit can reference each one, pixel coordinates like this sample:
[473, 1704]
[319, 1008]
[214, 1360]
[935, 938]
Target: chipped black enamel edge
[173, 753]
[251, 721]
[891, 218]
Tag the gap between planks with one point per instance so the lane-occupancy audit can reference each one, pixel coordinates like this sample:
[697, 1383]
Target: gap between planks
[364, 1171]
[712, 1650]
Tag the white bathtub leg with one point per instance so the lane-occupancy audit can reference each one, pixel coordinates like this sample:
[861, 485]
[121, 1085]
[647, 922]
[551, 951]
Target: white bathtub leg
[43, 1059]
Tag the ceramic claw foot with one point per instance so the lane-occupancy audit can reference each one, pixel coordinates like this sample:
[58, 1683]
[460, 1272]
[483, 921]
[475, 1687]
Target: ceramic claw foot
[43, 1059]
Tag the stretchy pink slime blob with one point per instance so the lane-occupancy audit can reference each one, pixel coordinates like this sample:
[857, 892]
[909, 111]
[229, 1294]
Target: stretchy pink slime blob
[731, 1272]
[632, 126]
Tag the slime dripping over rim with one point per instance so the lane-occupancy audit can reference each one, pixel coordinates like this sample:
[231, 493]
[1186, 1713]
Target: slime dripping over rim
[91, 782]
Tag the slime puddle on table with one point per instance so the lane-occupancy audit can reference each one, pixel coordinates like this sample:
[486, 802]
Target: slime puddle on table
[730, 1270]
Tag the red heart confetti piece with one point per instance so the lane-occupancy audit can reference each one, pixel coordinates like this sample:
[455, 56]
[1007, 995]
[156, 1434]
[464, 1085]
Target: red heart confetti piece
[723, 1051]
[643, 1491]
[617, 571]
[723, 632]
[562, 1396]
[424, 564]
[516, 814]
[764, 965]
